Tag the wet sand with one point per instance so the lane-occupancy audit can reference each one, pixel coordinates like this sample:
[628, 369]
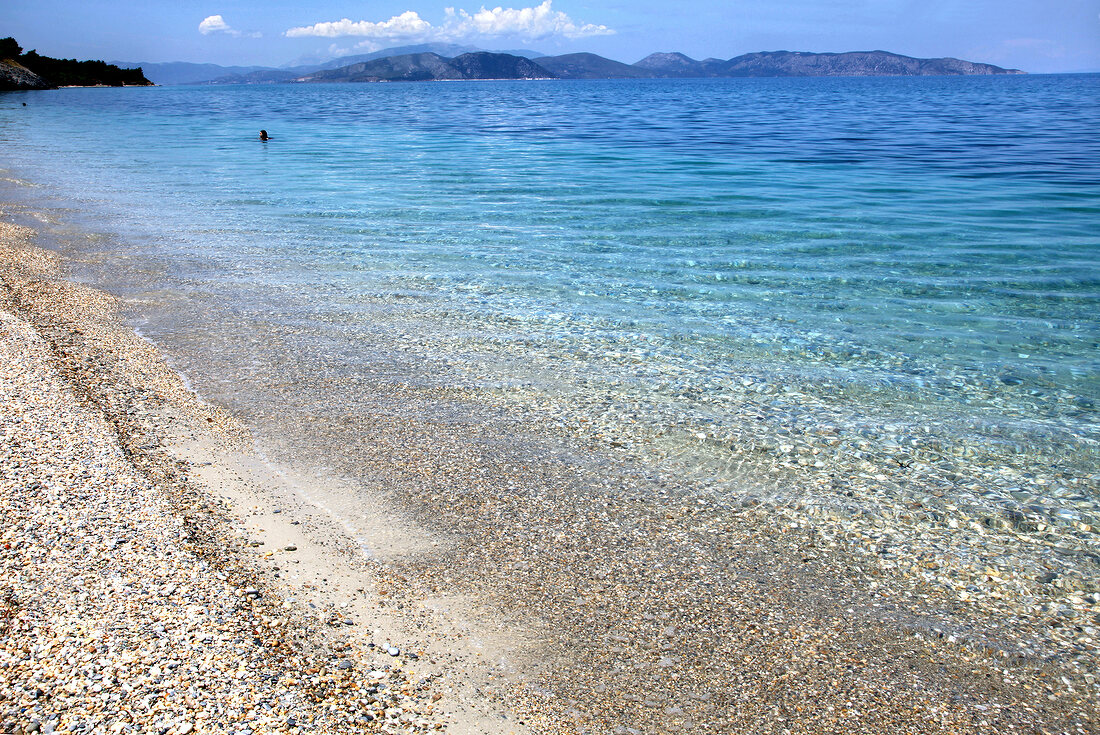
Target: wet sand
[532, 581]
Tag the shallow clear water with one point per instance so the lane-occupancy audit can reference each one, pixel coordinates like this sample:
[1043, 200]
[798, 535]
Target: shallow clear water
[847, 293]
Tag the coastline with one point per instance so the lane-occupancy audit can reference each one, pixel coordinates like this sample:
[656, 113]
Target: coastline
[71, 338]
[157, 574]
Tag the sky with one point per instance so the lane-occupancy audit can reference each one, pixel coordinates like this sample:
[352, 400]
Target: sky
[1038, 36]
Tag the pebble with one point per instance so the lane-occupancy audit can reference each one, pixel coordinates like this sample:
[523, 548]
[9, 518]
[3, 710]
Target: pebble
[113, 620]
[853, 489]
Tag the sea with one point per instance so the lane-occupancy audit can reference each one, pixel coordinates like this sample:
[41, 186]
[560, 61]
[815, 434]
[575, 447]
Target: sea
[856, 302]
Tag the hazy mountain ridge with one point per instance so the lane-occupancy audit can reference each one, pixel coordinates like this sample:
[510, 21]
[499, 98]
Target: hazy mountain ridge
[446, 50]
[185, 72]
[807, 64]
[486, 65]
[851, 64]
[432, 66]
[577, 66]
[590, 66]
[677, 65]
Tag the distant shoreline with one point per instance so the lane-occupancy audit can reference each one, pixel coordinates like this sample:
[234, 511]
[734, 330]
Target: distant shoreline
[432, 62]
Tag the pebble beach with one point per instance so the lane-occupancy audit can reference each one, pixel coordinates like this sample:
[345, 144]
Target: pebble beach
[132, 598]
[154, 579]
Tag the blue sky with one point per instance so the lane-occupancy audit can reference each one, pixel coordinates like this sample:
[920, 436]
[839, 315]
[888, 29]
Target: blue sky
[1034, 35]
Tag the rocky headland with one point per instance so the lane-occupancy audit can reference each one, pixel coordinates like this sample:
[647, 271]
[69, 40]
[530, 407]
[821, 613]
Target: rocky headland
[14, 76]
[30, 70]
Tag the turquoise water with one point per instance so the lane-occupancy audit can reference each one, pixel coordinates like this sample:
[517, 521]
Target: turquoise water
[845, 294]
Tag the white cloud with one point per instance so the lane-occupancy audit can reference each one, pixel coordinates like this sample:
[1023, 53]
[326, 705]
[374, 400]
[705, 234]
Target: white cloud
[214, 24]
[538, 22]
[336, 50]
[408, 24]
[217, 24]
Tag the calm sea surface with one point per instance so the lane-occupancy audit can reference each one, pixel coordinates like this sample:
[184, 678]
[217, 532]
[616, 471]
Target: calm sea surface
[841, 295]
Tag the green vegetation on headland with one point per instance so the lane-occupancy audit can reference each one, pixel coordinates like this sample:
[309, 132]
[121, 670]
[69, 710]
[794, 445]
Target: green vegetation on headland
[29, 70]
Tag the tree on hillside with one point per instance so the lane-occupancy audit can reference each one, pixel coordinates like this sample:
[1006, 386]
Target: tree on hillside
[9, 49]
[70, 72]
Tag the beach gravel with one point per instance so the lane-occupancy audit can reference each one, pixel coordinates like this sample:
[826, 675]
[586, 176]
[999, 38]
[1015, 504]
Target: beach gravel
[123, 607]
[132, 600]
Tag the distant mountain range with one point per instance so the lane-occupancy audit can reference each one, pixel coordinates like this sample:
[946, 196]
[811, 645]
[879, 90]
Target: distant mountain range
[446, 50]
[590, 66]
[431, 66]
[437, 61]
[186, 72]
[183, 72]
[804, 64]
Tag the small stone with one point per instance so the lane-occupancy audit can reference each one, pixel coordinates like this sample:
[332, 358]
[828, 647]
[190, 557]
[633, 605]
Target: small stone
[393, 650]
[290, 547]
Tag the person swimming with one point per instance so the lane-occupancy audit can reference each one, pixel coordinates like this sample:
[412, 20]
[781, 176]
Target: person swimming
[264, 135]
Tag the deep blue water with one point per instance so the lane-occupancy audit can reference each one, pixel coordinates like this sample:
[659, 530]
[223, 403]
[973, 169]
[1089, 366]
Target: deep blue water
[720, 274]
